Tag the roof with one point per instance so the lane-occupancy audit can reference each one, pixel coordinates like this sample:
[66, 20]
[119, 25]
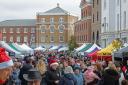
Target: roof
[19, 22]
[55, 11]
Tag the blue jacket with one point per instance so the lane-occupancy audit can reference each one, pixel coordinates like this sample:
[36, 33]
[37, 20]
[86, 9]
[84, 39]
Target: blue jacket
[68, 79]
[80, 79]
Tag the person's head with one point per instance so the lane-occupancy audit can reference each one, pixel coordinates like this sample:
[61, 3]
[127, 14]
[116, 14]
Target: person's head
[68, 70]
[91, 68]
[33, 77]
[5, 74]
[16, 65]
[6, 64]
[41, 66]
[83, 66]
[53, 64]
[124, 82]
[77, 70]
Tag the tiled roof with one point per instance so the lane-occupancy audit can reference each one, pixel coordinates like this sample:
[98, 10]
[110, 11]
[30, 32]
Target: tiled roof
[19, 22]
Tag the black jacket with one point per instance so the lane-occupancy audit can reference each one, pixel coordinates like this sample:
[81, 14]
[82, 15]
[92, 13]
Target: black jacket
[110, 77]
[24, 70]
[52, 76]
[68, 79]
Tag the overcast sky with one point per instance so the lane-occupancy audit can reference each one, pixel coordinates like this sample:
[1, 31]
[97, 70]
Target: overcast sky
[25, 9]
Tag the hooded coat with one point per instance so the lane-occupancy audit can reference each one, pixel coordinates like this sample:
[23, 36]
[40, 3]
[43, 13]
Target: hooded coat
[68, 79]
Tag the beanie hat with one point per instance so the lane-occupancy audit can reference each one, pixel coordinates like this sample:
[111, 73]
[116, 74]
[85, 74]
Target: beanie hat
[53, 62]
[5, 60]
[68, 69]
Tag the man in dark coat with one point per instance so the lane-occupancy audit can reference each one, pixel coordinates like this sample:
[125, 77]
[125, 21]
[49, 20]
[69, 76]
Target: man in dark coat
[52, 75]
[24, 70]
[110, 77]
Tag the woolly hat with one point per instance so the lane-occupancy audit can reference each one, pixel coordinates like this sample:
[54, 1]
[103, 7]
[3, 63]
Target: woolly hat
[68, 69]
[53, 62]
[5, 60]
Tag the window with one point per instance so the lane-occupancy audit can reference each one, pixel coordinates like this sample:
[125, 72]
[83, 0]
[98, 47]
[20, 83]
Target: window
[125, 19]
[93, 3]
[11, 39]
[52, 38]
[11, 30]
[52, 29]
[97, 16]
[51, 20]
[104, 24]
[97, 2]
[32, 30]
[42, 38]
[32, 39]
[97, 36]
[43, 20]
[61, 20]
[4, 38]
[61, 38]
[25, 39]
[43, 28]
[18, 30]
[61, 28]
[105, 4]
[93, 37]
[18, 39]
[118, 22]
[4, 30]
[93, 18]
[25, 30]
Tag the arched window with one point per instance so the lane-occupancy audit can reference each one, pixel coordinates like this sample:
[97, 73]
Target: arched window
[97, 37]
[93, 36]
[61, 28]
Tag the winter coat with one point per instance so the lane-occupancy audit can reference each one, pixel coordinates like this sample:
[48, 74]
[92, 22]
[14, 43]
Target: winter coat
[90, 76]
[15, 75]
[24, 70]
[80, 79]
[68, 79]
[52, 76]
[110, 77]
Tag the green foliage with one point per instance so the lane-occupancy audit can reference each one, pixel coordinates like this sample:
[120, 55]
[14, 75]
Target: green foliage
[72, 43]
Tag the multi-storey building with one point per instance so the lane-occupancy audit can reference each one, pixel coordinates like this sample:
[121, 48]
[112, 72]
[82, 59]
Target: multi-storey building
[114, 22]
[96, 21]
[54, 27]
[83, 26]
[20, 31]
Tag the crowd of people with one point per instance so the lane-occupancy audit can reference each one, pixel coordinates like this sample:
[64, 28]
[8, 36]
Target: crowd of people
[63, 69]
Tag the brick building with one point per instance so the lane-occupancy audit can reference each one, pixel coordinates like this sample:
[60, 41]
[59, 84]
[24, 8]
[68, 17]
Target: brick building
[83, 26]
[20, 31]
[54, 27]
[96, 21]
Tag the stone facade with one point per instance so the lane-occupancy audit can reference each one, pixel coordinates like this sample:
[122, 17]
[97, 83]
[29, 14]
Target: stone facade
[54, 28]
[96, 21]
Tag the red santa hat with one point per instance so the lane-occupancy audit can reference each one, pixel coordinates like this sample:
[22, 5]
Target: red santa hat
[53, 62]
[5, 60]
